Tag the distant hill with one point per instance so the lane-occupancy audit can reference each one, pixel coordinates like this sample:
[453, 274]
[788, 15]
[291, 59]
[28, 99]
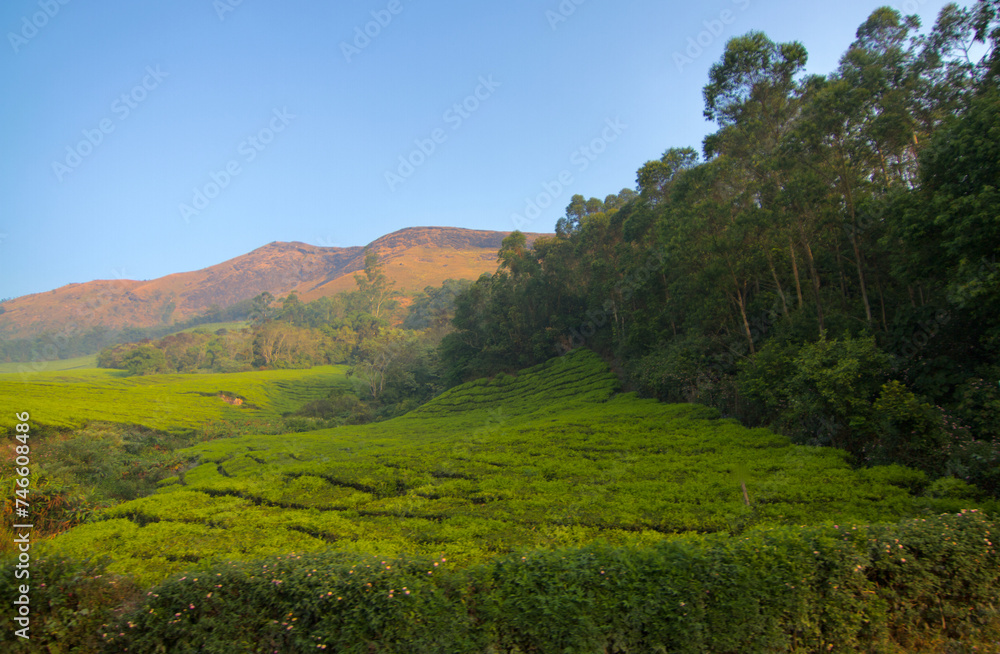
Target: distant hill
[414, 257]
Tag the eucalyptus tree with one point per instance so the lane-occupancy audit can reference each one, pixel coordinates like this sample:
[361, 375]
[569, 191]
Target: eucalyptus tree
[377, 289]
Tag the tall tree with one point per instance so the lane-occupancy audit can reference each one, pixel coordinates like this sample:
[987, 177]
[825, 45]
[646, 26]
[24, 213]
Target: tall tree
[261, 310]
[375, 286]
[654, 178]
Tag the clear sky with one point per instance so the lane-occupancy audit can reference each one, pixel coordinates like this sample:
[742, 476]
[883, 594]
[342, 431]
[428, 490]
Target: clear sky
[144, 138]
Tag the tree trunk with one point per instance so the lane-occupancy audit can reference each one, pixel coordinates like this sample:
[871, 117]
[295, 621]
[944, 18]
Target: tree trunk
[795, 270]
[816, 284]
[881, 298]
[861, 277]
[777, 283]
[854, 238]
[741, 303]
[843, 278]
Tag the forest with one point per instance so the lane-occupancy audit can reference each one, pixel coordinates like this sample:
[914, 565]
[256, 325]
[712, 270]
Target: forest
[826, 265]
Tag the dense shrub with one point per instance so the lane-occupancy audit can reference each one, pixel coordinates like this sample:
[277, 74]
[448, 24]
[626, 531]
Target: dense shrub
[836, 588]
[822, 392]
[979, 404]
[685, 370]
[339, 602]
[69, 602]
[909, 431]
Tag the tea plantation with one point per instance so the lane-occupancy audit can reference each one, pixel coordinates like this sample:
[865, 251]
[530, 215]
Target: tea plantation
[71, 399]
[542, 512]
[552, 457]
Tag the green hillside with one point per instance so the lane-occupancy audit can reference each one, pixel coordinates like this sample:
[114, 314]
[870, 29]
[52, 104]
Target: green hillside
[71, 399]
[551, 457]
[232, 325]
[76, 363]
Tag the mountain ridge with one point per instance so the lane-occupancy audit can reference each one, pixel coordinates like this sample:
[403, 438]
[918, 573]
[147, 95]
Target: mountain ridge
[413, 257]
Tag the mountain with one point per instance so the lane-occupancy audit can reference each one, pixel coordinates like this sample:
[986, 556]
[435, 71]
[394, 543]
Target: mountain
[414, 257]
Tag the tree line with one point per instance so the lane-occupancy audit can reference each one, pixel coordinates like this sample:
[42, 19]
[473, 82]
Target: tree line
[392, 356]
[826, 264]
[76, 342]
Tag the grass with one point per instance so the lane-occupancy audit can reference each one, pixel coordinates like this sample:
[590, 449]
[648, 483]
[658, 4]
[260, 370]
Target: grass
[90, 360]
[176, 402]
[553, 457]
[78, 363]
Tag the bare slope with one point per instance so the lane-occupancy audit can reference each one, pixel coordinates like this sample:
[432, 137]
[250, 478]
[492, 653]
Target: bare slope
[414, 258]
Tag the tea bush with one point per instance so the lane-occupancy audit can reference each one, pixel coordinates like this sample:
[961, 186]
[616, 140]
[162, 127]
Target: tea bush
[836, 588]
[549, 458]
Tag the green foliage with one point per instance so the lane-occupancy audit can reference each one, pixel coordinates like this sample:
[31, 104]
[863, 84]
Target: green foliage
[298, 603]
[346, 328]
[833, 588]
[913, 481]
[822, 392]
[69, 601]
[375, 287]
[113, 463]
[685, 370]
[341, 408]
[145, 360]
[952, 489]
[932, 572]
[979, 404]
[173, 403]
[861, 203]
[909, 431]
[433, 308]
[551, 457]
[76, 363]
[960, 196]
[261, 310]
[53, 348]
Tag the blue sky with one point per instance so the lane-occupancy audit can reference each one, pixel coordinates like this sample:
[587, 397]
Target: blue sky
[146, 138]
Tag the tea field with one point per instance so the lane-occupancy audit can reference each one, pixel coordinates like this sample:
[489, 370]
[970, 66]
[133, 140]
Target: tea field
[554, 457]
[76, 363]
[70, 399]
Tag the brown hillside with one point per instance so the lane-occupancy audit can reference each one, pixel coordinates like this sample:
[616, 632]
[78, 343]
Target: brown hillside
[414, 258]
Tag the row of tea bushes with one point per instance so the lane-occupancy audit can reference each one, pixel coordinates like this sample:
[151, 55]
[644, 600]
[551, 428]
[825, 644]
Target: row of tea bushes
[836, 588]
